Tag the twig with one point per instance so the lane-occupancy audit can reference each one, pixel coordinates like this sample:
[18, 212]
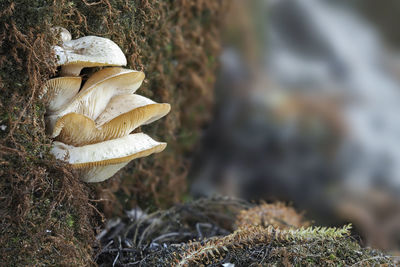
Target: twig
[374, 258]
[115, 260]
[169, 235]
[103, 250]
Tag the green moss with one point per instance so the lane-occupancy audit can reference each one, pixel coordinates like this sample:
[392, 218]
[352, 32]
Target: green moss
[32, 232]
[47, 217]
[332, 257]
[70, 221]
[249, 245]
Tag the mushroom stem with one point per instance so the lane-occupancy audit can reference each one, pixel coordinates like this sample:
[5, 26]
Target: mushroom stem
[71, 70]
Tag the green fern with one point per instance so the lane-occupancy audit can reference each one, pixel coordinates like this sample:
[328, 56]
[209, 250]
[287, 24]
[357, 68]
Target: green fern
[215, 249]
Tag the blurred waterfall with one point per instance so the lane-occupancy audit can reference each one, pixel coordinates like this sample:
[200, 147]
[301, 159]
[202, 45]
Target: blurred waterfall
[308, 114]
[325, 49]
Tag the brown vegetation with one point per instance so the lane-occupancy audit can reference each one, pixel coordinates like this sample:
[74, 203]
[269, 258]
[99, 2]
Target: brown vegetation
[201, 233]
[47, 215]
[277, 215]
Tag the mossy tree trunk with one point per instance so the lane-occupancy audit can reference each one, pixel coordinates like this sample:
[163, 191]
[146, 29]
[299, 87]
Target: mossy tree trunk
[47, 215]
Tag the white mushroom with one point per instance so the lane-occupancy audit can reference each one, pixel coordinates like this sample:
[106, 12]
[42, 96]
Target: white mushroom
[123, 114]
[88, 51]
[93, 99]
[100, 161]
[60, 91]
[64, 34]
[121, 104]
[93, 125]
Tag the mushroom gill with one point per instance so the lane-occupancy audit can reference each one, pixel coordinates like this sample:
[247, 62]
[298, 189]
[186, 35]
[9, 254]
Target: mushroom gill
[100, 161]
[88, 51]
[60, 91]
[123, 115]
[92, 123]
[93, 99]
[124, 103]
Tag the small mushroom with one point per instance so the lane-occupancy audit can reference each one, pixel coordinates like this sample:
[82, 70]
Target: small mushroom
[60, 91]
[123, 114]
[64, 34]
[93, 99]
[100, 161]
[88, 51]
[105, 74]
[121, 104]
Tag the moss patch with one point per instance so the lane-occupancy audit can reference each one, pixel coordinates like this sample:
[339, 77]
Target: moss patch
[172, 42]
[46, 217]
[204, 233]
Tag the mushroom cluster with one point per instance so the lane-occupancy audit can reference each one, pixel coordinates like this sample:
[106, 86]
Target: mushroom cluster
[92, 123]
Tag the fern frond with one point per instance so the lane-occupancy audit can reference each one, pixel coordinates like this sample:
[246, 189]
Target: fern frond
[214, 249]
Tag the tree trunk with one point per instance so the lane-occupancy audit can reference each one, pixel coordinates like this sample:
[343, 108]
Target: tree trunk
[47, 215]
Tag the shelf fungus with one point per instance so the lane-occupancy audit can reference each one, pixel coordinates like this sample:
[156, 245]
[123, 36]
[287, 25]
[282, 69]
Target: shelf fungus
[122, 115]
[88, 51]
[60, 91]
[97, 92]
[98, 162]
[92, 123]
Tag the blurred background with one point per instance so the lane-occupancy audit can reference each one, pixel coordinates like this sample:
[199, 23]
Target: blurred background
[307, 111]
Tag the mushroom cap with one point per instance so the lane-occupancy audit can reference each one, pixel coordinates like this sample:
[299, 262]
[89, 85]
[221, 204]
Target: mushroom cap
[94, 97]
[102, 160]
[101, 173]
[88, 51]
[77, 129]
[122, 104]
[60, 91]
[65, 35]
[105, 74]
[92, 100]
